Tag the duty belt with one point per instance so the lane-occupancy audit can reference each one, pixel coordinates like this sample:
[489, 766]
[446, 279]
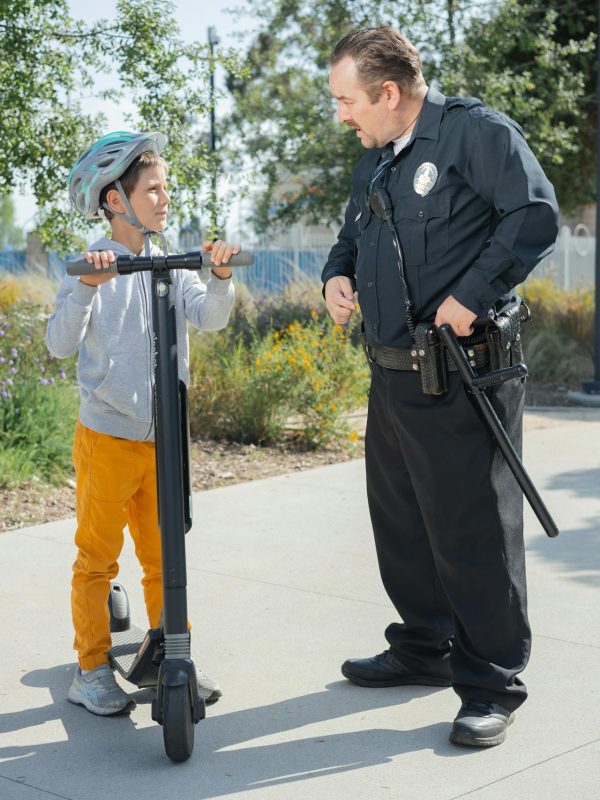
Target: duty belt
[408, 359]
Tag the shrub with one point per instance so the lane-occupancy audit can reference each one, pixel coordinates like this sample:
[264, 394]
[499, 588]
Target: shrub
[38, 403]
[559, 341]
[248, 392]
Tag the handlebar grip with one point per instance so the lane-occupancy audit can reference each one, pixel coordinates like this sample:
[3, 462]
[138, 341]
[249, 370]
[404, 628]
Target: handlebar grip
[79, 266]
[500, 376]
[238, 260]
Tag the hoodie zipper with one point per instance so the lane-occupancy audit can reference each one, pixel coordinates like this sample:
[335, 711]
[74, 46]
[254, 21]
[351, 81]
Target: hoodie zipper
[149, 333]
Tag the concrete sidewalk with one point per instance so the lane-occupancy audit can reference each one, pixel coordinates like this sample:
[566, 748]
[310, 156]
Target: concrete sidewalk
[283, 586]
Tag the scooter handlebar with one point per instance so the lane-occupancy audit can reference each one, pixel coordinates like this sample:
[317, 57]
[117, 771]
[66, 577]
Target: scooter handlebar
[127, 264]
[79, 266]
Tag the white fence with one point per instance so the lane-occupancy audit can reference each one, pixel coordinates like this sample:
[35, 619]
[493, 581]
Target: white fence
[572, 264]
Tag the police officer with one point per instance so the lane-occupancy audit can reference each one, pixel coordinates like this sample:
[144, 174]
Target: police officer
[473, 212]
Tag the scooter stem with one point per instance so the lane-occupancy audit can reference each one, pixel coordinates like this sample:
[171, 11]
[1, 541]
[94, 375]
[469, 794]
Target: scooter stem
[169, 466]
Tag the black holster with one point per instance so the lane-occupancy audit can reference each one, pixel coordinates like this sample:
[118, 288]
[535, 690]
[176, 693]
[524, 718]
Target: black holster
[432, 359]
[503, 335]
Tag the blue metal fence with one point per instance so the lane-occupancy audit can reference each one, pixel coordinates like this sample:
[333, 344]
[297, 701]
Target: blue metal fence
[12, 261]
[274, 269]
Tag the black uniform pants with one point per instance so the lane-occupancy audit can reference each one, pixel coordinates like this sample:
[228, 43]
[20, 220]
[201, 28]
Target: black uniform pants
[447, 516]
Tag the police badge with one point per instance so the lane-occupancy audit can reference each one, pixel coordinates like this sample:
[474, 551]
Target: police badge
[425, 178]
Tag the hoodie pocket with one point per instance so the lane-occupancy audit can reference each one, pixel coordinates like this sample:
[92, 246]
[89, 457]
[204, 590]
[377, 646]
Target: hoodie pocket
[125, 387]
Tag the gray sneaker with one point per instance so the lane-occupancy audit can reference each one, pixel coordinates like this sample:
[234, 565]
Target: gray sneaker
[207, 688]
[99, 692]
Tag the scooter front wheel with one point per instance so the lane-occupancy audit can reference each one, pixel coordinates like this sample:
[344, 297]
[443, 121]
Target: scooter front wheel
[178, 722]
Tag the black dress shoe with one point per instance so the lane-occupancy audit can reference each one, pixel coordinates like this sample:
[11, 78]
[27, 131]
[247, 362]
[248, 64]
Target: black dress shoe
[386, 670]
[481, 723]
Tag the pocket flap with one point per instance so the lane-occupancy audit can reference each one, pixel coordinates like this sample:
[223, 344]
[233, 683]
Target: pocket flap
[421, 209]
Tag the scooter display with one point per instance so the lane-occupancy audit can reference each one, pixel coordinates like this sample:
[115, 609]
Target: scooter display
[160, 658]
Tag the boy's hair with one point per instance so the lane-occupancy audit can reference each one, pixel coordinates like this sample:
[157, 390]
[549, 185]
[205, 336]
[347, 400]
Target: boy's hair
[131, 176]
[381, 54]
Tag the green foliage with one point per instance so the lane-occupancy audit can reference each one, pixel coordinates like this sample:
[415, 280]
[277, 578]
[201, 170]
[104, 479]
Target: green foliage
[38, 401]
[559, 342]
[42, 70]
[48, 62]
[248, 388]
[10, 233]
[537, 64]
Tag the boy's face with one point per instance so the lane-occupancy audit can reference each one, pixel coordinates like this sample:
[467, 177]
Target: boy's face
[150, 199]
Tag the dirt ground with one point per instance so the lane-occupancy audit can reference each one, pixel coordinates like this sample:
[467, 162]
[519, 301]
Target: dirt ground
[214, 464]
[217, 464]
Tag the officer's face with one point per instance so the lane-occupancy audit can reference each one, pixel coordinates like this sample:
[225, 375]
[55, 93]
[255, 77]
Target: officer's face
[372, 121]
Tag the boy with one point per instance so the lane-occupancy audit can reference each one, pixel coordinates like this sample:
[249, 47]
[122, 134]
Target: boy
[122, 177]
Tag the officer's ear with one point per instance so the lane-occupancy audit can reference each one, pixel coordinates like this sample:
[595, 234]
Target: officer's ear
[392, 94]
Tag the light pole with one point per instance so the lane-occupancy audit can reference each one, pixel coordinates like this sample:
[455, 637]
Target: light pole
[213, 40]
[593, 386]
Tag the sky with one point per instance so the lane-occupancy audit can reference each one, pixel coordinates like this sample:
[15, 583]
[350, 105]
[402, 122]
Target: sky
[193, 17]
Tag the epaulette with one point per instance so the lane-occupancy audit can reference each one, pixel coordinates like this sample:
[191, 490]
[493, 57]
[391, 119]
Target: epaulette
[464, 102]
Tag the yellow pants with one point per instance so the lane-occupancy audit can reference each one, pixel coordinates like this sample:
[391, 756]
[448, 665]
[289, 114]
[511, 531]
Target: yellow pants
[116, 486]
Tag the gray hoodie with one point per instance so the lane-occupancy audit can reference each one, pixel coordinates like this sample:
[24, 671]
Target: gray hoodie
[111, 326]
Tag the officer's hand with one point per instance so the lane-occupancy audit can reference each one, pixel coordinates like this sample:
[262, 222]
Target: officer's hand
[339, 297]
[100, 259]
[456, 315]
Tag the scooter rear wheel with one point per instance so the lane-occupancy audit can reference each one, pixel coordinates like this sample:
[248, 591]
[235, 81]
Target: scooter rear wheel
[178, 722]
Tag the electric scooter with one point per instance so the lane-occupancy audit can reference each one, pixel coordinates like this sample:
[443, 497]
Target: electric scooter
[160, 658]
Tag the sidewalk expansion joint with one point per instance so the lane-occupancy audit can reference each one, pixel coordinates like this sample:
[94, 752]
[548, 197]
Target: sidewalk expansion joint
[285, 586]
[35, 788]
[525, 769]
[566, 641]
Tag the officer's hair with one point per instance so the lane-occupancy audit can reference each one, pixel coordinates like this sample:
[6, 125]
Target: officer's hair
[381, 54]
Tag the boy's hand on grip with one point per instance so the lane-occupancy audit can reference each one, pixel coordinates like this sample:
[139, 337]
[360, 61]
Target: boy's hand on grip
[220, 253]
[100, 259]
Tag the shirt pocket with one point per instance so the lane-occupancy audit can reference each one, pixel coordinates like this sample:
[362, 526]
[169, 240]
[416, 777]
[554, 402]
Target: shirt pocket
[422, 225]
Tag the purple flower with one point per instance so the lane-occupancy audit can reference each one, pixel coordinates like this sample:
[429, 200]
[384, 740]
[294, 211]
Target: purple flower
[14, 352]
[1, 332]
[5, 393]
[9, 381]
[2, 359]
[43, 381]
[62, 375]
[51, 381]
[13, 371]
[42, 368]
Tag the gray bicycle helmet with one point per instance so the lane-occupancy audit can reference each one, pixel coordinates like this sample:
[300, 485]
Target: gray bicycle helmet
[104, 163]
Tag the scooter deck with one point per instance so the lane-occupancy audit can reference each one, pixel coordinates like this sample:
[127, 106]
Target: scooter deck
[137, 655]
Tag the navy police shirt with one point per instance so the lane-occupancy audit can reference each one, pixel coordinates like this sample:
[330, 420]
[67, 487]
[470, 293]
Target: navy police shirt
[473, 210]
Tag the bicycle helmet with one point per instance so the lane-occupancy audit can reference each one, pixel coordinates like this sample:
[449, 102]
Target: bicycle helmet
[104, 163]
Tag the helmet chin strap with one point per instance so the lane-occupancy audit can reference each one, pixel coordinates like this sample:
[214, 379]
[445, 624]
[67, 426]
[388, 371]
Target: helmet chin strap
[131, 218]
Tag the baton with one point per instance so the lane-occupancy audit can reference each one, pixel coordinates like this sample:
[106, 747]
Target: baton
[124, 265]
[476, 387]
